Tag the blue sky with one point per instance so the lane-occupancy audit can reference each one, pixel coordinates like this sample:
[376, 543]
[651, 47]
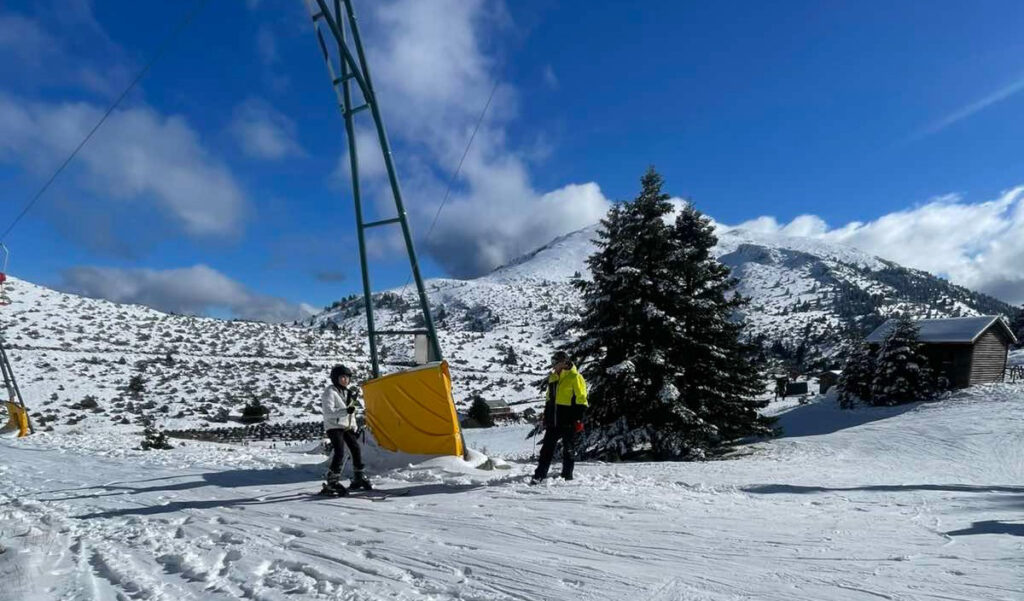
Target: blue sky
[219, 185]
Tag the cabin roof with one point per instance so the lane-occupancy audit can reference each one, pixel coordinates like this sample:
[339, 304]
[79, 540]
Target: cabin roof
[950, 330]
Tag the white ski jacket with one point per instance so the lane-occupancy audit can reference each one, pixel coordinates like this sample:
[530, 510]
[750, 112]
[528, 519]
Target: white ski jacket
[335, 405]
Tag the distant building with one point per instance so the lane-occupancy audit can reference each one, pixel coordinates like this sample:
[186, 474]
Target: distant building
[967, 350]
[828, 379]
[795, 389]
[499, 409]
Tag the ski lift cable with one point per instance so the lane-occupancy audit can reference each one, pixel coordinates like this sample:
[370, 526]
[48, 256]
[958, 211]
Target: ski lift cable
[455, 174]
[161, 50]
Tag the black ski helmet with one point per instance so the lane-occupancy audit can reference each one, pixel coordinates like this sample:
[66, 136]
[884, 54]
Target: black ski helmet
[560, 357]
[337, 371]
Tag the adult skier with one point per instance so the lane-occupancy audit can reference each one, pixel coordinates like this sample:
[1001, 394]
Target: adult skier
[340, 402]
[563, 416]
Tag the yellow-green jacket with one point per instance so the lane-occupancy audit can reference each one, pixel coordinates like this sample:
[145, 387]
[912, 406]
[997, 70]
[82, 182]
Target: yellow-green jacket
[567, 398]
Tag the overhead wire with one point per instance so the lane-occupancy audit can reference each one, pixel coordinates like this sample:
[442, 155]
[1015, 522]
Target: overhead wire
[455, 174]
[161, 50]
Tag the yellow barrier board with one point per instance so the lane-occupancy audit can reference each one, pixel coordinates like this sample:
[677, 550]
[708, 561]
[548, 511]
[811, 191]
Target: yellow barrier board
[413, 411]
[17, 419]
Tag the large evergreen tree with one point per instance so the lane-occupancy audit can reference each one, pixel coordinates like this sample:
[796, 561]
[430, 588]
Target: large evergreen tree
[720, 374]
[858, 376]
[902, 374]
[668, 375]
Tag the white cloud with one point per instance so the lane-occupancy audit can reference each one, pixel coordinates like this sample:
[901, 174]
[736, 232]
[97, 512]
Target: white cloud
[139, 156]
[262, 132]
[47, 51]
[266, 45]
[433, 77]
[477, 237]
[193, 290]
[804, 225]
[978, 245]
[24, 38]
[550, 78]
[371, 160]
[970, 109]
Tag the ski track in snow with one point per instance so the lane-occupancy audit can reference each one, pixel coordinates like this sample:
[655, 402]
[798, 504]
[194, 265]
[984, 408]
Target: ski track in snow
[917, 502]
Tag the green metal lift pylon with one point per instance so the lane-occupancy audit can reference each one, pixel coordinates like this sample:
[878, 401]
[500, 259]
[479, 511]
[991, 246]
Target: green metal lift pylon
[339, 19]
[14, 401]
[16, 411]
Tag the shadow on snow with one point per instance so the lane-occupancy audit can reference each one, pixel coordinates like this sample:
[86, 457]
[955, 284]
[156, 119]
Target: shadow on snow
[825, 417]
[229, 479]
[990, 527]
[770, 489]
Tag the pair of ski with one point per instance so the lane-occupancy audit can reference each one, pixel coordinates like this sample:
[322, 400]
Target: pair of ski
[360, 493]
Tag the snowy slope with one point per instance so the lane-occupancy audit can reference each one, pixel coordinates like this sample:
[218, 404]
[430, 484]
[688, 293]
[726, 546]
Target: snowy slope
[497, 332]
[66, 349]
[912, 503]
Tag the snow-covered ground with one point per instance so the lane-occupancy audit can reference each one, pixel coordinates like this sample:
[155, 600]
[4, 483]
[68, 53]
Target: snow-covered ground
[916, 502]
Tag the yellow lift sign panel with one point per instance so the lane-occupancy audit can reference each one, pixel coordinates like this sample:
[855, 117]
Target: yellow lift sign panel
[413, 411]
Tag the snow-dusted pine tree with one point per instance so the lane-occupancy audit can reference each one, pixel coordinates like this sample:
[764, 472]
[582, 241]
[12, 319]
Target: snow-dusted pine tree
[1017, 325]
[858, 376]
[902, 374]
[667, 374]
[154, 439]
[719, 374]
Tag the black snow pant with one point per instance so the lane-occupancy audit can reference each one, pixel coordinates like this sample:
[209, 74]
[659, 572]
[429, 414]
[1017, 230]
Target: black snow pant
[341, 438]
[567, 434]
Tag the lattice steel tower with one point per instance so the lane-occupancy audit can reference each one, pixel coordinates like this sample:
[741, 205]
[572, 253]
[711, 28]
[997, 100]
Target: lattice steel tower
[345, 68]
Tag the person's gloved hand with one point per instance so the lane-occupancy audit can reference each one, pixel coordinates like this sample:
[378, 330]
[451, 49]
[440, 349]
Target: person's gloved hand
[578, 426]
[351, 409]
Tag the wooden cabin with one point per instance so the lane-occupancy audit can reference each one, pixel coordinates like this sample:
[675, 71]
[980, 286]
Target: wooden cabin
[499, 409]
[827, 379]
[967, 350]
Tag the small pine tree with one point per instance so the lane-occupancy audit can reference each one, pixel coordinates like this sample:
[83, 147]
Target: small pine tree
[221, 415]
[154, 439]
[857, 378]
[136, 385]
[902, 374]
[480, 412]
[255, 411]
[510, 358]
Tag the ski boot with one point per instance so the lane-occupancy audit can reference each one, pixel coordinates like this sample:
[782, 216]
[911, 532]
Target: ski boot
[359, 482]
[333, 486]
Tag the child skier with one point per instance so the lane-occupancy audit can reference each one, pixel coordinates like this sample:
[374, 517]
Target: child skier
[339, 403]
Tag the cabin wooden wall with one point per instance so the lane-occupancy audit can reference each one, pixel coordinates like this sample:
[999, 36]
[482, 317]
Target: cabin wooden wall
[989, 358]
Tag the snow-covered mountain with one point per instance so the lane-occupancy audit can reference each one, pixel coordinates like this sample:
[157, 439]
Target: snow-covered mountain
[807, 297]
[76, 357]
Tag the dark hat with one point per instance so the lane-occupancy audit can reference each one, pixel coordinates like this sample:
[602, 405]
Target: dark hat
[339, 370]
[559, 357]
